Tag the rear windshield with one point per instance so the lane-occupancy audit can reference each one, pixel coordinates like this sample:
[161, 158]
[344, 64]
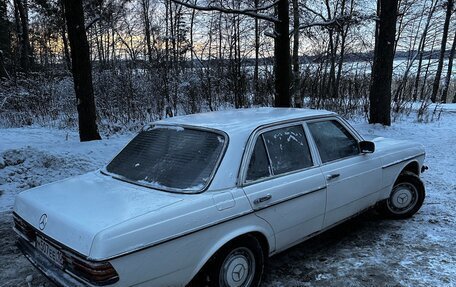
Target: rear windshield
[170, 158]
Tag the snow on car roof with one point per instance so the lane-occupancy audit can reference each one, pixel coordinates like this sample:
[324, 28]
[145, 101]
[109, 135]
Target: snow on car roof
[243, 121]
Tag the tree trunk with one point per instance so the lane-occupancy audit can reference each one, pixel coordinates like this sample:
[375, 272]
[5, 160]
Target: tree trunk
[145, 9]
[63, 32]
[438, 73]
[448, 75]
[282, 56]
[192, 21]
[22, 13]
[5, 41]
[332, 48]
[3, 71]
[256, 96]
[426, 71]
[82, 70]
[340, 63]
[380, 91]
[296, 73]
[421, 48]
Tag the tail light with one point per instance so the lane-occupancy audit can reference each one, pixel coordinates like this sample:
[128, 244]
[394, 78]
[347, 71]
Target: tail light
[24, 229]
[97, 273]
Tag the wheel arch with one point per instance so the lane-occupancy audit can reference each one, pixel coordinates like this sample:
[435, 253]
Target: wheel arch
[259, 234]
[392, 173]
[407, 175]
[413, 167]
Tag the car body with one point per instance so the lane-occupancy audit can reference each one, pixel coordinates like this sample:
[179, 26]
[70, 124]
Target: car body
[267, 177]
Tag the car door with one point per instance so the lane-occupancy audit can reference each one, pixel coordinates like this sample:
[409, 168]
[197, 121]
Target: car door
[283, 183]
[352, 178]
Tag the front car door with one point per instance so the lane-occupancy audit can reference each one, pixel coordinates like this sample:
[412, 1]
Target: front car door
[353, 178]
[283, 183]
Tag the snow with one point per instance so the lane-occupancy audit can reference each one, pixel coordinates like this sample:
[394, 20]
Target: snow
[365, 251]
[35, 156]
[174, 128]
[239, 123]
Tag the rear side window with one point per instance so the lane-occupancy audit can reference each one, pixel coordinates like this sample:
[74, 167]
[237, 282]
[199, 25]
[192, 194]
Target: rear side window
[279, 151]
[333, 140]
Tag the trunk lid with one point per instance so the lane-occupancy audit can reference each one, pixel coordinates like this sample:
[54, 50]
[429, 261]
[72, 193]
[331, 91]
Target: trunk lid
[78, 208]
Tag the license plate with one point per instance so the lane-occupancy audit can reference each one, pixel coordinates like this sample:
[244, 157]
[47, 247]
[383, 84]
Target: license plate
[49, 251]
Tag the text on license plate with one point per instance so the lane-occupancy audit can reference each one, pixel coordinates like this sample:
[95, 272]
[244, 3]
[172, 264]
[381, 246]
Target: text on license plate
[50, 251]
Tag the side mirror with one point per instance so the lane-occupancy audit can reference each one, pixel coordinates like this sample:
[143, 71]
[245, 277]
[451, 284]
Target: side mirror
[366, 147]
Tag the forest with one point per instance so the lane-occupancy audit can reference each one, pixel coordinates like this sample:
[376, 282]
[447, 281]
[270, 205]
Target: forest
[80, 78]
[136, 61]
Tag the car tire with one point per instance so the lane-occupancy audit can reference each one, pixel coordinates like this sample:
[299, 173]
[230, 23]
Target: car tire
[239, 263]
[406, 197]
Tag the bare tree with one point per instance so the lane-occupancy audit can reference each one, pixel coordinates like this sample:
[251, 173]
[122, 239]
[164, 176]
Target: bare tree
[82, 70]
[295, 58]
[421, 48]
[438, 73]
[5, 41]
[380, 91]
[448, 75]
[22, 24]
[145, 5]
[63, 32]
[257, 58]
[281, 41]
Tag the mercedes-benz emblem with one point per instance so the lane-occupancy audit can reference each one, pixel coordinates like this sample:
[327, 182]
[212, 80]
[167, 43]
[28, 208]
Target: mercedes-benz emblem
[402, 198]
[238, 272]
[43, 221]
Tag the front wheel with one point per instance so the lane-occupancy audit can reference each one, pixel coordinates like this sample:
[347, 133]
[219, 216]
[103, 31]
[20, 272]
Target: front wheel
[405, 199]
[238, 264]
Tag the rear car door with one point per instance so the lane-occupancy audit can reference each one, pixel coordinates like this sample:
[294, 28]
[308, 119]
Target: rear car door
[352, 178]
[283, 184]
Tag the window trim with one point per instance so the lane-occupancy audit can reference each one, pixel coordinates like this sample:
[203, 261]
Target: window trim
[344, 124]
[104, 171]
[242, 182]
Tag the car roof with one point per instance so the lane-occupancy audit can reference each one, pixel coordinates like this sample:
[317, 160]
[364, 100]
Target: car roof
[242, 122]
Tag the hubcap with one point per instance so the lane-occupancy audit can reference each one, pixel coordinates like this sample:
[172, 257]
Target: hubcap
[238, 268]
[403, 198]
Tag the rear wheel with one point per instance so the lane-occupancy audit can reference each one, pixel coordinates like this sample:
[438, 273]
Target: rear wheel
[238, 264]
[405, 199]
[238, 268]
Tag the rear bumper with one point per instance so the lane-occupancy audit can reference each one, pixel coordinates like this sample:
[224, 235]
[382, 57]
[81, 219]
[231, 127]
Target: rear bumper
[53, 273]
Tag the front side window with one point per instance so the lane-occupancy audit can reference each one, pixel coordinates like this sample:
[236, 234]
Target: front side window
[333, 140]
[279, 151]
[169, 158]
[288, 149]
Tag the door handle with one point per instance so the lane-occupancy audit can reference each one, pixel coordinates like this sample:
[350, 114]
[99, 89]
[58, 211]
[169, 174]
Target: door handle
[332, 176]
[262, 199]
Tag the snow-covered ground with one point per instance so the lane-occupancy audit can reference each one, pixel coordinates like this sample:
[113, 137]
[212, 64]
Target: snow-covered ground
[366, 251]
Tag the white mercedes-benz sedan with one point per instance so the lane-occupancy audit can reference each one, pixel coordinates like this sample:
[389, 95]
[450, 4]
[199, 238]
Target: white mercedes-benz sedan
[204, 199]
